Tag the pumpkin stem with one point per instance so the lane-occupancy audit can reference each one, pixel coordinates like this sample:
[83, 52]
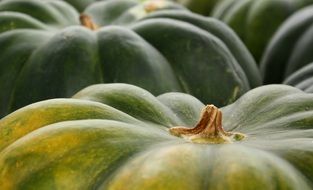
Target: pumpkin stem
[86, 21]
[153, 5]
[209, 129]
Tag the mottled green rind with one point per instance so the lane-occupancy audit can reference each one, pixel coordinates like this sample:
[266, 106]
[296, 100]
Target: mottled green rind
[37, 115]
[125, 143]
[92, 149]
[188, 166]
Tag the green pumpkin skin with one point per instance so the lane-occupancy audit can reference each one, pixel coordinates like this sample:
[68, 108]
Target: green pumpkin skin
[115, 136]
[302, 78]
[203, 7]
[256, 21]
[80, 5]
[294, 41]
[136, 45]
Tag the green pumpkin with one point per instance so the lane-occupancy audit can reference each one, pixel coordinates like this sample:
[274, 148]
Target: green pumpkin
[290, 48]
[256, 21]
[203, 7]
[157, 45]
[302, 78]
[119, 136]
[80, 5]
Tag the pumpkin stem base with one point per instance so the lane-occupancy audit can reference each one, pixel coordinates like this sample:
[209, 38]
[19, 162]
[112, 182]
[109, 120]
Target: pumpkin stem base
[86, 21]
[208, 130]
[151, 6]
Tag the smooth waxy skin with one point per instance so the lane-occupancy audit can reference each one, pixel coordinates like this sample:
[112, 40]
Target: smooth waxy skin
[82, 143]
[133, 45]
[256, 21]
[294, 41]
[80, 5]
[302, 78]
[203, 7]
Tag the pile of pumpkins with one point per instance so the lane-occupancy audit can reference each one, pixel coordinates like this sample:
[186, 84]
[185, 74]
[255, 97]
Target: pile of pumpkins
[156, 94]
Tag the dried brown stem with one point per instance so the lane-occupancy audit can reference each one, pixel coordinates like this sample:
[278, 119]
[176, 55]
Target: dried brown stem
[86, 21]
[209, 129]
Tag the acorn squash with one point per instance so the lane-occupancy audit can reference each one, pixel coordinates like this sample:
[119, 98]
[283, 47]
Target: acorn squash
[48, 50]
[119, 136]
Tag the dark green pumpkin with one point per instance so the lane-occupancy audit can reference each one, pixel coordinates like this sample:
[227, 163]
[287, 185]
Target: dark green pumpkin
[156, 45]
[80, 5]
[116, 136]
[256, 21]
[290, 48]
[302, 78]
[203, 7]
